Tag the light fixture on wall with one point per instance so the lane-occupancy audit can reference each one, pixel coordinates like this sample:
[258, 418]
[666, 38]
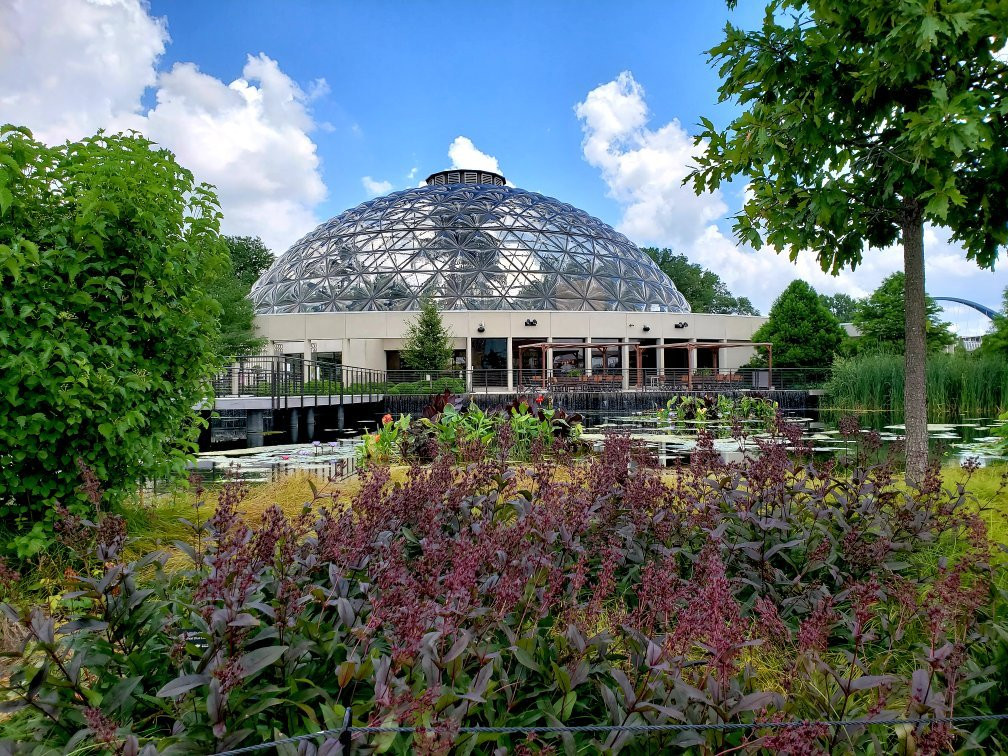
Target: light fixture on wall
[480, 328]
[531, 322]
[646, 328]
[681, 324]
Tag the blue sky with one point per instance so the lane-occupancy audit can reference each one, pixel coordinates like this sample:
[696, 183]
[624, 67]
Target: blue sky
[408, 78]
[296, 111]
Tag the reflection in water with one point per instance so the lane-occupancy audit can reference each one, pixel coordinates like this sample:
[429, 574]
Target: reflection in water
[330, 460]
[952, 442]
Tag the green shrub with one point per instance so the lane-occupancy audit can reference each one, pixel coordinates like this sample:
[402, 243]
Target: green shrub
[606, 593]
[321, 387]
[437, 386]
[108, 334]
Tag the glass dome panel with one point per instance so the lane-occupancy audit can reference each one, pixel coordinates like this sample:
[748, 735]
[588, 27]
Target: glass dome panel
[468, 247]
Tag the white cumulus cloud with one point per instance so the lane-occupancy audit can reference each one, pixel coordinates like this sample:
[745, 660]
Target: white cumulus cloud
[643, 168]
[464, 154]
[69, 67]
[374, 187]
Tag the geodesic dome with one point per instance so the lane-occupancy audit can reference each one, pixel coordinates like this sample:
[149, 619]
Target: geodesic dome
[468, 242]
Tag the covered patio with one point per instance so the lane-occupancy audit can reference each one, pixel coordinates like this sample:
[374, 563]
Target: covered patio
[635, 377]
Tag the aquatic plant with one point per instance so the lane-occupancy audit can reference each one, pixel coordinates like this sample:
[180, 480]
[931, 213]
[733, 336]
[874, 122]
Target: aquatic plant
[701, 410]
[452, 422]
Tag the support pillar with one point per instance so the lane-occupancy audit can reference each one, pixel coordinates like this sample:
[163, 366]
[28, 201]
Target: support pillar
[660, 360]
[510, 364]
[254, 428]
[310, 423]
[548, 364]
[468, 364]
[293, 426]
[340, 417]
[625, 362]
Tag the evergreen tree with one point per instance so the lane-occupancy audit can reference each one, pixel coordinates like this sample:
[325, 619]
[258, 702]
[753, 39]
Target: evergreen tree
[881, 320]
[427, 346]
[803, 332]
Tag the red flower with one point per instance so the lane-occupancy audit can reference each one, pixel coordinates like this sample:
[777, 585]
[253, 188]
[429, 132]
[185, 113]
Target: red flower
[539, 400]
[386, 419]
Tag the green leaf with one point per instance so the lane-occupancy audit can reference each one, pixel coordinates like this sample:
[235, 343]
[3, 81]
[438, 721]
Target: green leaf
[117, 695]
[182, 684]
[525, 658]
[257, 660]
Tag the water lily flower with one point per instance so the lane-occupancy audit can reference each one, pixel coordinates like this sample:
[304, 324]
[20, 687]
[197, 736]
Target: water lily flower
[539, 399]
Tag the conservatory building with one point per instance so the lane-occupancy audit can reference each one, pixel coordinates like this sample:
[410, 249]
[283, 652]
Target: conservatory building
[512, 271]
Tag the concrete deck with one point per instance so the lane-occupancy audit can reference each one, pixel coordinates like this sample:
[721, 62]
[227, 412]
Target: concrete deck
[290, 402]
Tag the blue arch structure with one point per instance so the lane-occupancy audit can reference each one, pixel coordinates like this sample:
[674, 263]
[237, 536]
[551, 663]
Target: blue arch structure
[975, 305]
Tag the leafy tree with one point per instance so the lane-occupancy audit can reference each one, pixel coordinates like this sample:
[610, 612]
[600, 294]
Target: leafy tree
[249, 258]
[803, 332]
[996, 342]
[236, 318]
[861, 122]
[108, 334]
[843, 306]
[703, 289]
[881, 320]
[427, 346]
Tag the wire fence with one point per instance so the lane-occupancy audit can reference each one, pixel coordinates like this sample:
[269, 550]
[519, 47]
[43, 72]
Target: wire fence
[346, 733]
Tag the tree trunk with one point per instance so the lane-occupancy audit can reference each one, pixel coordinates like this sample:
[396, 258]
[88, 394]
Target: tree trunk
[915, 388]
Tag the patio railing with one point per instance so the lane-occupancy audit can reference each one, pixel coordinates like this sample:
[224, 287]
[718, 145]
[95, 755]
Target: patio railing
[283, 376]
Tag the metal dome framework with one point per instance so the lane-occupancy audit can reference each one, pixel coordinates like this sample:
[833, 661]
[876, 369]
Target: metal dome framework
[475, 246]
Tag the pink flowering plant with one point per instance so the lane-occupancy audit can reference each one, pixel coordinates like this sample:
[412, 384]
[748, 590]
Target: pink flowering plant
[566, 591]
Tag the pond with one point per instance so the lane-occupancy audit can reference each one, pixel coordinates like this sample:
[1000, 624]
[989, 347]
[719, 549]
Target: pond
[953, 442]
[329, 459]
[965, 438]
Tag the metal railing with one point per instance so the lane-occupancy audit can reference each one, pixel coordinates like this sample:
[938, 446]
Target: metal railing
[672, 379]
[345, 734]
[281, 377]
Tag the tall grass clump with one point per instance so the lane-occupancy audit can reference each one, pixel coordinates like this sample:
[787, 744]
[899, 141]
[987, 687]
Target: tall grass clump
[957, 384]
